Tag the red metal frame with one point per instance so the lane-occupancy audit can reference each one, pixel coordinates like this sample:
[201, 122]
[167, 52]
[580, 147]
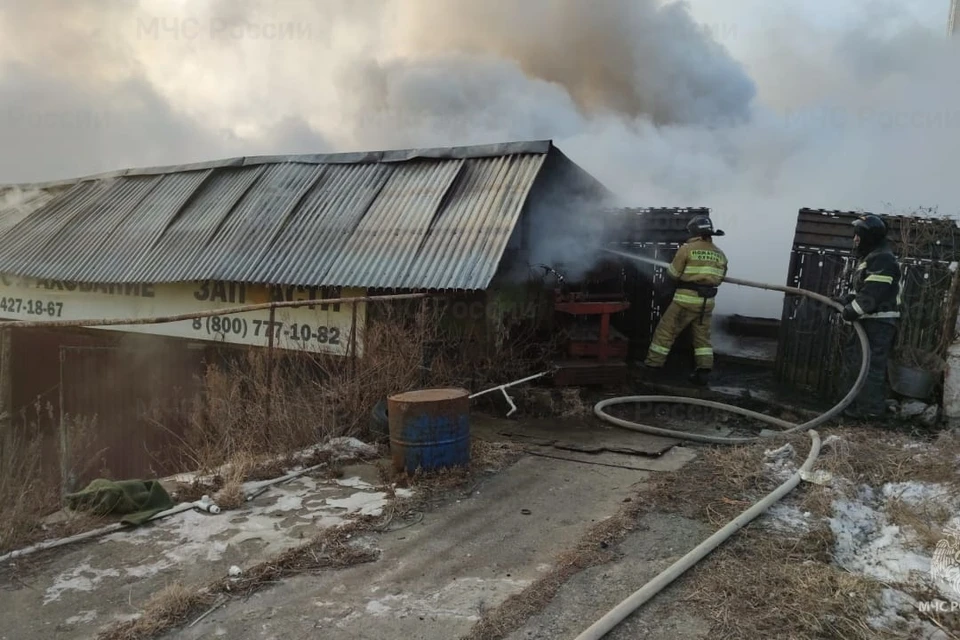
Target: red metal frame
[603, 349]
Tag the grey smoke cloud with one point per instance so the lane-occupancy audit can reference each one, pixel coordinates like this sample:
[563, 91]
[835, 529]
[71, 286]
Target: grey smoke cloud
[633, 90]
[631, 57]
[52, 129]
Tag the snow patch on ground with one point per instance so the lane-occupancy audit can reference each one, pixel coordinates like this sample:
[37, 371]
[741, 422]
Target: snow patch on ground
[917, 493]
[366, 504]
[127, 617]
[149, 570]
[354, 483]
[275, 520]
[84, 617]
[81, 578]
[787, 518]
[348, 448]
[868, 544]
[781, 462]
[288, 503]
[896, 613]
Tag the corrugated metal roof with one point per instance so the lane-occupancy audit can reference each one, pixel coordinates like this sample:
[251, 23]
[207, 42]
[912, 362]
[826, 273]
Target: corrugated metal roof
[408, 219]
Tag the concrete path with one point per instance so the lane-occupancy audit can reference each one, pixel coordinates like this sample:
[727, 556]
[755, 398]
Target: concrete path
[435, 579]
[660, 541]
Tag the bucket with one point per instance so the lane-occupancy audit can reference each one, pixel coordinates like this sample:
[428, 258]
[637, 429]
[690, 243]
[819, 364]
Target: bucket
[429, 429]
[912, 382]
[914, 373]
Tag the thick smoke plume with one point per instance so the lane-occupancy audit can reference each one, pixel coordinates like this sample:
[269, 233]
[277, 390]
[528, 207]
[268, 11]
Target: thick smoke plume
[637, 92]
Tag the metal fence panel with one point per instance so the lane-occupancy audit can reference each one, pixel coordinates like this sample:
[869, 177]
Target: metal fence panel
[811, 335]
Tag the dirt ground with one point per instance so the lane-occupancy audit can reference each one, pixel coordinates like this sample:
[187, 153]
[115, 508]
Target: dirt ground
[435, 579]
[435, 575]
[544, 546]
[852, 555]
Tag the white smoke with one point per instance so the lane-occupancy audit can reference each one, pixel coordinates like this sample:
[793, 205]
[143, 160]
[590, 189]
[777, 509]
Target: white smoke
[635, 91]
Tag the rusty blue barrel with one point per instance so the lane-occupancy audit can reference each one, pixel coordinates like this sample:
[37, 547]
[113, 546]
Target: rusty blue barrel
[429, 429]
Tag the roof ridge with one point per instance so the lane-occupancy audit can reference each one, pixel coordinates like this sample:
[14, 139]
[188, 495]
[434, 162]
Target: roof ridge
[532, 147]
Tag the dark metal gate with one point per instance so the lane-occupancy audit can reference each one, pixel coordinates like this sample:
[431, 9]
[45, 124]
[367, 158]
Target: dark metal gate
[123, 412]
[811, 336]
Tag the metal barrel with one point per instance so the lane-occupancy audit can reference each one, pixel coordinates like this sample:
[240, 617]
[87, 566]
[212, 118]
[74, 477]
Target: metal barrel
[429, 429]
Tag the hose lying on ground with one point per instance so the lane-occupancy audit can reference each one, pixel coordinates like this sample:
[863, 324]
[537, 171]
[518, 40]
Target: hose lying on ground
[648, 591]
[93, 533]
[619, 613]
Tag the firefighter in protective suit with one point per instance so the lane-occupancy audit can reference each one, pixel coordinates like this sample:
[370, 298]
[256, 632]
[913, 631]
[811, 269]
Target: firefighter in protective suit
[874, 300]
[698, 268]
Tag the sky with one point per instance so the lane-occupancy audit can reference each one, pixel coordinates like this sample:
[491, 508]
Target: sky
[753, 108]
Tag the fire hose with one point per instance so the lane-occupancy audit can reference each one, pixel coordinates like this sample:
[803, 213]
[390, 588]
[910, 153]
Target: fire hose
[615, 616]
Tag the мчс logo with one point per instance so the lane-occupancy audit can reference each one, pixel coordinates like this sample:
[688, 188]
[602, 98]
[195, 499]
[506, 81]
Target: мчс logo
[945, 564]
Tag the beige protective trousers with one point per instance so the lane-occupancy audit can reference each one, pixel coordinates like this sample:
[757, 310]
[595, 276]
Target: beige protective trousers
[672, 324]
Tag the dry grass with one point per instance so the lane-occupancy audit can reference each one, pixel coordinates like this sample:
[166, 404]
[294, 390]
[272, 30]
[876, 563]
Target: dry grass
[894, 457]
[231, 496]
[719, 485]
[254, 405]
[762, 586]
[196, 489]
[572, 405]
[493, 456]
[25, 493]
[926, 519]
[167, 608]
[177, 605]
[30, 478]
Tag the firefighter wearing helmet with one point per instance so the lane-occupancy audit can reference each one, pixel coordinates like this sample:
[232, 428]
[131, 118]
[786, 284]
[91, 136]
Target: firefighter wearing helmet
[698, 268]
[874, 300]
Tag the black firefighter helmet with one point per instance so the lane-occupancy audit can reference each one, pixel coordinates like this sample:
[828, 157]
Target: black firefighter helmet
[871, 231]
[702, 226]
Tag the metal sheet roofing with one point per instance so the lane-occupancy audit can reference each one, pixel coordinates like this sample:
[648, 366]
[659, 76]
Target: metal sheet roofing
[409, 219]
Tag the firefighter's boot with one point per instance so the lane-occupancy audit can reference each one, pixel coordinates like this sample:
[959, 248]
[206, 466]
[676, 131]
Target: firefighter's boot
[648, 372]
[700, 377]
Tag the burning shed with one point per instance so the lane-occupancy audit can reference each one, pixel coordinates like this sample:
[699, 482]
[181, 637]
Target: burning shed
[141, 243]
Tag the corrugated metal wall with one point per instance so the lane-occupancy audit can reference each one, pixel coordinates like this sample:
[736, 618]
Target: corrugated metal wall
[811, 336]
